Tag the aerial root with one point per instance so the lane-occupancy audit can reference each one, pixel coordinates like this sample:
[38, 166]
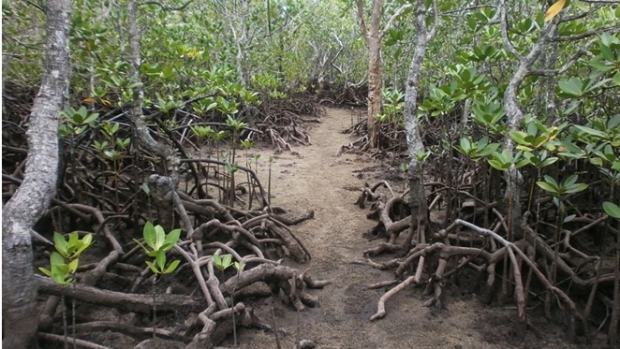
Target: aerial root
[465, 245]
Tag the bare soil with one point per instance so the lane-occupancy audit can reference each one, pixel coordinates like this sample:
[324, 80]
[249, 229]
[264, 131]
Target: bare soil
[312, 177]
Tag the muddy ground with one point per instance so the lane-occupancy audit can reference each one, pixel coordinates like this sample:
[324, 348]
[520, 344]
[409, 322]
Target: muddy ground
[312, 177]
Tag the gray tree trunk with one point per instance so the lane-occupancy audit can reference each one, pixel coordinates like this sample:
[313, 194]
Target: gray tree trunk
[514, 114]
[419, 208]
[32, 198]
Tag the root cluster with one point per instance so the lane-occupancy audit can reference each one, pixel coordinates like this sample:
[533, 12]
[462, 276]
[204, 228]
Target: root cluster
[529, 267]
[114, 195]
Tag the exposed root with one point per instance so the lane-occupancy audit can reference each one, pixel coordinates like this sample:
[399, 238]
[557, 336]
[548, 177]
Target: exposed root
[114, 199]
[462, 244]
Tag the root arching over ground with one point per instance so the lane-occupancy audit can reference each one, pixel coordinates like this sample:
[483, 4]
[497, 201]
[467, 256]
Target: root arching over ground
[527, 269]
[283, 249]
[111, 186]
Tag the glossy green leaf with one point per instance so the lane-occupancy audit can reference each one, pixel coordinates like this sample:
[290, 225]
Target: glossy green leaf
[172, 267]
[152, 267]
[549, 187]
[60, 244]
[569, 218]
[576, 188]
[149, 235]
[73, 265]
[56, 259]
[160, 237]
[611, 209]
[572, 87]
[161, 259]
[591, 131]
[172, 237]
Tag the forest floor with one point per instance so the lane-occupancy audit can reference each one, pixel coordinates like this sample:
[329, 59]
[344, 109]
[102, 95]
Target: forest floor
[312, 177]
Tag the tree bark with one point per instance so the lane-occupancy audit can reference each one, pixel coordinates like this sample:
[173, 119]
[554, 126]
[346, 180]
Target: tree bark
[373, 40]
[419, 208]
[514, 113]
[32, 198]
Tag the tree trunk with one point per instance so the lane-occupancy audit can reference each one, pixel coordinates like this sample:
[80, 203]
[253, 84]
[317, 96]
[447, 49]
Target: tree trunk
[514, 114]
[32, 198]
[373, 40]
[374, 88]
[419, 208]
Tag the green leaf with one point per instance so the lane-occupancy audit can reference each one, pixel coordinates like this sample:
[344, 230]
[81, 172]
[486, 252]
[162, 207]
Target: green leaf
[172, 267]
[548, 161]
[570, 180]
[465, 143]
[239, 266]
[60, 278]
[596, 162]
[161, 259]
[519, 137]
[499, 165]
[522, 163]
[56, 259]
[45, 271]
[152, 267]
[60, 244]
[611, 209]
[88, 239]
[569, 218]
[73, 265]
[73, 238]
[226, 260]
[91, 118]
[160, 237]
[576, 188]
[572, 87]
[149, 235]
[172, 237]
[548, 187]
[613, 121]
[217, 261]
[591, 131]
[145, 188]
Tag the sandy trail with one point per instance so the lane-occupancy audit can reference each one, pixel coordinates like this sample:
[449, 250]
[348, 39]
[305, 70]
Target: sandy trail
[313, 177]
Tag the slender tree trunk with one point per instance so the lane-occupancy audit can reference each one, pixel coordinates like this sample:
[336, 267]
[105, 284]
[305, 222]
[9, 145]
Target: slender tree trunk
[32, 198]
[163, 198]
[373, 40]
[419, 208]
[514, 113]
[374, 89]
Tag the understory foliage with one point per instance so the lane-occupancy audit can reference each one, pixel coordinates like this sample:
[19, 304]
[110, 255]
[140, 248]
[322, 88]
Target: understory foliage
[507, 96]
[531, 100]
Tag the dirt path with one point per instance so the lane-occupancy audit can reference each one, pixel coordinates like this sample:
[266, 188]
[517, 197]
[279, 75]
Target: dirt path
[313, 178]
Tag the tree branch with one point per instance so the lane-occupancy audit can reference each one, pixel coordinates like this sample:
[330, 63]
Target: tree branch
[360, 19]
[552, 72]
[504, 25]
[390, 21]
[614, 28]
[166, 7]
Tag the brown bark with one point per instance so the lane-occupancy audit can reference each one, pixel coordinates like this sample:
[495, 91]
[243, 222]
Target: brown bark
[127, 301]
[373, 39]
[37, 189]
